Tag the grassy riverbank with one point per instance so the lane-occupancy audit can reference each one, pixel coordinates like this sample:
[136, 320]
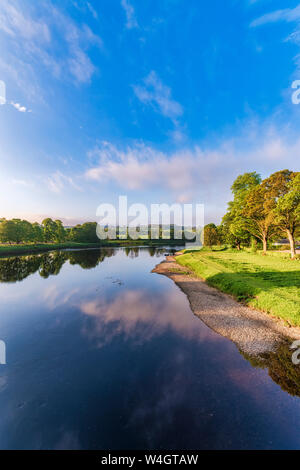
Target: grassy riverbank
[269, 283]
[43, 247]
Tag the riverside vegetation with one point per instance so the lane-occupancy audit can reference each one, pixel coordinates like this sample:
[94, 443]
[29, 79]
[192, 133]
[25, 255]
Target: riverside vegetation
[268, 283]
[20, 236]
[259, 214]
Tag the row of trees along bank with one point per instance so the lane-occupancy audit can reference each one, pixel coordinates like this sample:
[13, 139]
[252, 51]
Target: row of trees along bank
[261, 211]
[50, 231]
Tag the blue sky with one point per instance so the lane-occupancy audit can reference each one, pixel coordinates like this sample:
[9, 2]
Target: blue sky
[160, 100]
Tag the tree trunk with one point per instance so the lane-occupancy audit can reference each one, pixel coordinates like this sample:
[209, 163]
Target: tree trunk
[238, 246]
[264, 240]
[292, 243]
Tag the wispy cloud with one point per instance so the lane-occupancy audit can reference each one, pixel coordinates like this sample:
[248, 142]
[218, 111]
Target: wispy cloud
[204, 174]
[131, 21]
[19, 107]
[81, 66]
[159, 96]
[76, 42]
[92, 10]
[31, 36]
[287, 14]
[155, 93]
[57, 182]
[15, 23]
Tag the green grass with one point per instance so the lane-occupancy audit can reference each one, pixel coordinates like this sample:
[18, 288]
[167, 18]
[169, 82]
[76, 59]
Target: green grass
[40, 247]
[269, 283]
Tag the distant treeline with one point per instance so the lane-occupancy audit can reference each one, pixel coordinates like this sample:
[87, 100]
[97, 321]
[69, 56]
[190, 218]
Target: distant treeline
[19, 231]
[49, 231]
[260, 213]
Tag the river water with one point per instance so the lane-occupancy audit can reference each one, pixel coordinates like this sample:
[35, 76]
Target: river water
[103, 354]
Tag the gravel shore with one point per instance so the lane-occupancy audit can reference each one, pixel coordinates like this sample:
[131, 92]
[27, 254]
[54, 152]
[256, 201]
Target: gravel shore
[253, 332]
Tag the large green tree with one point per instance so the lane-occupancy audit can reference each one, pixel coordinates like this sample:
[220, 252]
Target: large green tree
[85, 233]
[287, 211]
[234, 225]
[24, 231]
[211, 235]
[49, 229]
[59, 233]
[7, 231]
[37, 233]
[259, 220]
[16, 231]
[261, 202]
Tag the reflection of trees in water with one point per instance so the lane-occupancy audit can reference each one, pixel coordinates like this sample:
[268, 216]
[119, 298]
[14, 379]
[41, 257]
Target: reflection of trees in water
[51, 264]
[107, 253]
[14, 269]
[133, 252]
[155, 251]
[151, 251]
[85, 259]
[280, 367]
[160, 252]
[17, 268]
[89, 259]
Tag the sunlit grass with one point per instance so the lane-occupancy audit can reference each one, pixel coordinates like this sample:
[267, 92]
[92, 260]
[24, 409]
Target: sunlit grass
[269, 283]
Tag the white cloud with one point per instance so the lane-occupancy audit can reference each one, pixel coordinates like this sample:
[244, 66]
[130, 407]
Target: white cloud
[92, 10]
[77, 42]
[158, 95]
[14, 23]
[288, 14]
[57, 182]
[140, 166]
[81, 66]
[19, 107]
[131, 21]
[30, 37]
[192, 174]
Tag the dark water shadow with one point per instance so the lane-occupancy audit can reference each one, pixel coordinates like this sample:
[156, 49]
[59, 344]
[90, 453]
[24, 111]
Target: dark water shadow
[280, 368]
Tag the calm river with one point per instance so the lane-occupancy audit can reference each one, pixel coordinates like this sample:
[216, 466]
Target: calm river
[103, 354]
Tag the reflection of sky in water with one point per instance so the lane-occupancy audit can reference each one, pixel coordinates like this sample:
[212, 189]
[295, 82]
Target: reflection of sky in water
[112, 357]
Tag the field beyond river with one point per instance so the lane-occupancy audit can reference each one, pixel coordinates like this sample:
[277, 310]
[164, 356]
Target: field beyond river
[269, 283]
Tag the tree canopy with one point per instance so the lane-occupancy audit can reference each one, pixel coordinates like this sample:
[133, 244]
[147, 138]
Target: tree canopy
[263, 209]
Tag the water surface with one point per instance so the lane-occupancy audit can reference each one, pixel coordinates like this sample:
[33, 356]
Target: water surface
[103, 354]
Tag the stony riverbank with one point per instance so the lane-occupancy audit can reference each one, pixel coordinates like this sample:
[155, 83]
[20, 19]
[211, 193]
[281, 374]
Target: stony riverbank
[254, 332]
